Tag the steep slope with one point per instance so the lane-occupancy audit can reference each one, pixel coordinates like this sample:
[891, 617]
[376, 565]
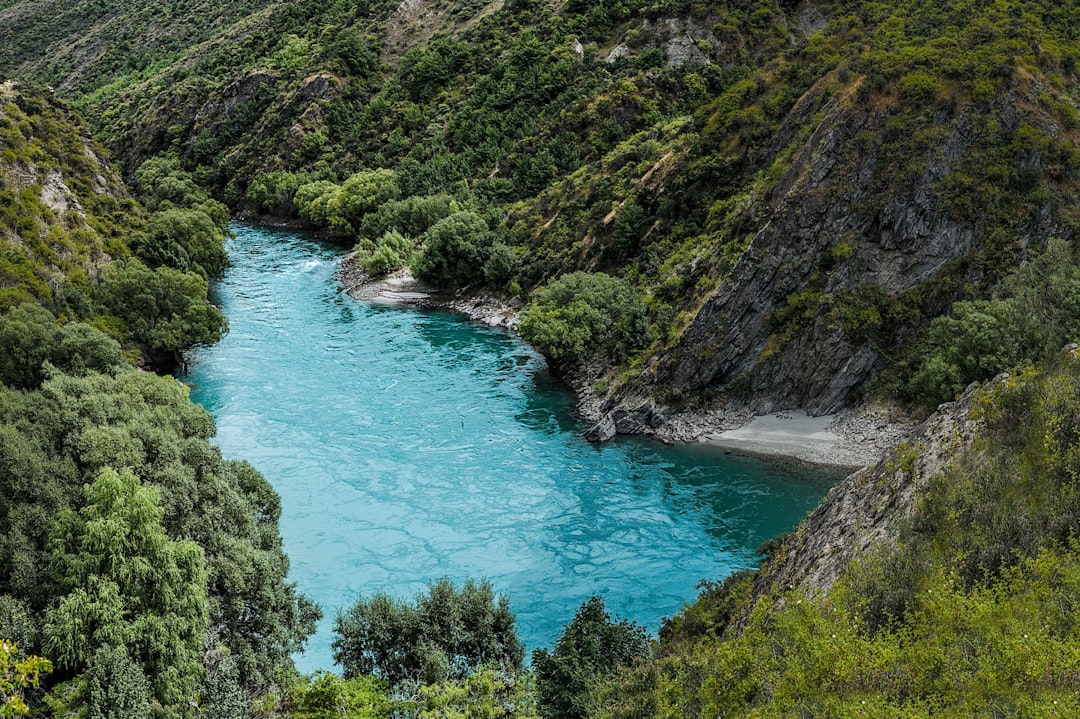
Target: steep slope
[65, 210]
[146, 567]
[940, 583]
[796, 189]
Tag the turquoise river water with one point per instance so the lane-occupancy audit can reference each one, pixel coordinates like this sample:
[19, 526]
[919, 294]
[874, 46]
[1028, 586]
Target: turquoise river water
[409, 445]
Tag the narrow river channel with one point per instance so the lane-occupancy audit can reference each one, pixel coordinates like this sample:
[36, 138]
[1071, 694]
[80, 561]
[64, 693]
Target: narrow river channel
[409, 445]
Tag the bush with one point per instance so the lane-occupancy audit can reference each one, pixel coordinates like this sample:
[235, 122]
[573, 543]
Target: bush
[585, 313]
[392, 251]
[454, 251]
[272, 193]
[186, 240]
[411, 216]
[362, 193]
[164, 311]
[591, 647]
[30, 338]
[312, 201]
[1039, 312]
[444, 633]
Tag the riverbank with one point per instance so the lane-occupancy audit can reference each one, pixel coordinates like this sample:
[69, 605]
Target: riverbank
[850, 439]
[401, 288]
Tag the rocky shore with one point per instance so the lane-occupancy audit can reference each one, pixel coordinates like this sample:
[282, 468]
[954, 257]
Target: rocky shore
[850, 439]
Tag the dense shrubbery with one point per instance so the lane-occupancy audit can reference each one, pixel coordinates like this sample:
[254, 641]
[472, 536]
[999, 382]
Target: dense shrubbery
[584, 315]
[445, 633]
[1037, 314]
[454, 251]
[164, 311]
[185, 240]
[343, 207]
[968, 614]
[592, 647]
[77, 585]
[30, 340]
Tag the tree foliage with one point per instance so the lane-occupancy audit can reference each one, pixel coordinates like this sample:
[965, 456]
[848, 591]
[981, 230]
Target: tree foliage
[163, 311]
[1038, 313]
[454, 251]
[127, 586]
[592, 646]
[444, 633]
[185, 240]
[30, 338]
[585, 314]
[18, 674]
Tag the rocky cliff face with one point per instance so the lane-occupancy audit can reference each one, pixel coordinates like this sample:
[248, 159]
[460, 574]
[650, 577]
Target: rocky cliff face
[867, 508]
[832, 233]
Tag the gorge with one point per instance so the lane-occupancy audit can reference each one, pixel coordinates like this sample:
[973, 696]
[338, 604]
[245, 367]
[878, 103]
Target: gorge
[408, 445]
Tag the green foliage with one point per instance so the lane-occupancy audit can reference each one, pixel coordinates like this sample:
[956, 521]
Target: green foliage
[328, 696]
[592, 647]
[445, 633]
[582, 315]
[391, 252]
[16, 676]
[30, 339]
[57, 439]
[1039, 312]
[313, 199]
[127, 586]
[411, 216]
[116, 686]
[272, 193]
[968, 613]
[163, 311]
[488, 693]
[185, 240]
[454, 251]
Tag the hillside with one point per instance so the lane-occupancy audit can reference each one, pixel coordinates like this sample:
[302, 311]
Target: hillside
[941, 582]
[794, 189]
[749, 205]
[143, 565]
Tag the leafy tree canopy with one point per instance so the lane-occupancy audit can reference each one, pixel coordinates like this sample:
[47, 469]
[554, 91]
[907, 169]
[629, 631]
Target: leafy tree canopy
[445, 632]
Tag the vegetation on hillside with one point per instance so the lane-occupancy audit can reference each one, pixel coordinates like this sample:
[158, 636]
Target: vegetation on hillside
[144, 566]
[622, 165]
[971, 613]
[650, 141]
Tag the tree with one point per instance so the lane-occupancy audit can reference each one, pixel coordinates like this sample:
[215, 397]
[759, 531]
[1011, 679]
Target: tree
[454, 251]
[585, 313]
[16, 676]
[30, 337]
[359, 195]
[163, 310]
[116, 687]
[592, 646]
[444, 633]
[128, 586]
[186, 240]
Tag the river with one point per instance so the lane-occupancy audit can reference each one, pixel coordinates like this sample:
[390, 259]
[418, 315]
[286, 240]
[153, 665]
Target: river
[409, 445]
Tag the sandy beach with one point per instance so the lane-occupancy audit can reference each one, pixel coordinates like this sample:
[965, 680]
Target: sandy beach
[828, 440]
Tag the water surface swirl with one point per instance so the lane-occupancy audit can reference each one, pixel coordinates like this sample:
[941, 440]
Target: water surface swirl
[409, 445]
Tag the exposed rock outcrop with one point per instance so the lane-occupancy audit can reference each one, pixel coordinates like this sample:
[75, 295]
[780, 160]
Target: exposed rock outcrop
[868, 507]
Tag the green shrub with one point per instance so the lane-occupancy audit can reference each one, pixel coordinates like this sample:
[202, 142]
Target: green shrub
[585, 313]
[391, 252]
[591, 647]
[30, 339]
[454, 251]
[272, 193]
[164, 311]
[186, 240]
[444, 632]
